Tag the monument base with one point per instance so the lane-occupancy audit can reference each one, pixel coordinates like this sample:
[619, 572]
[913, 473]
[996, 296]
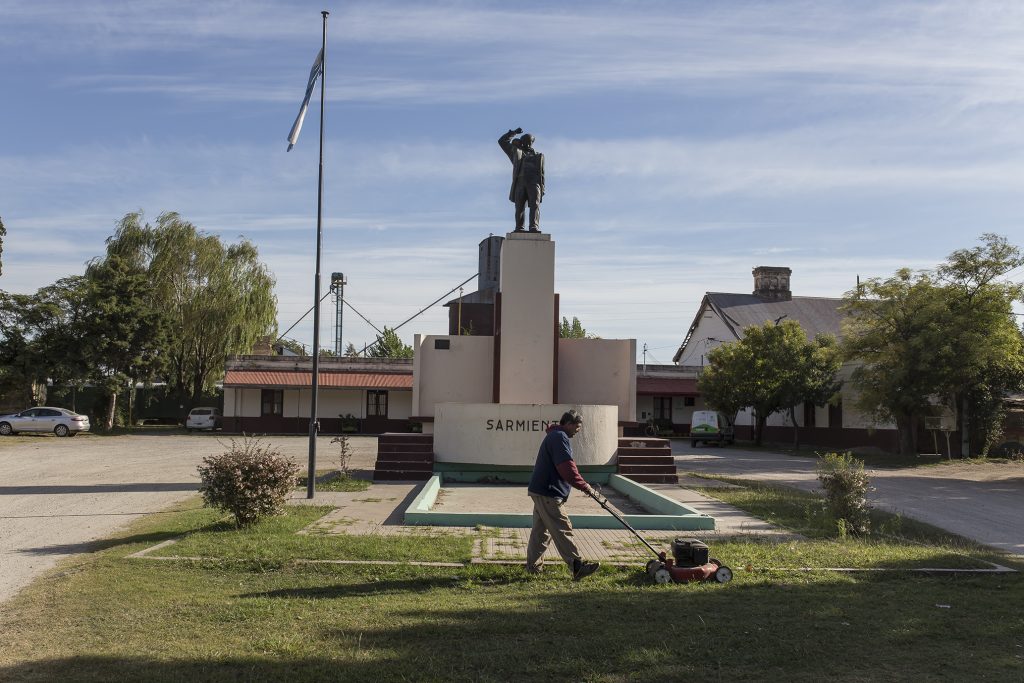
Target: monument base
[505, 434]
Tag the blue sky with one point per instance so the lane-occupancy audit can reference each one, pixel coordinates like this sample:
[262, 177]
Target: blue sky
[685, 142]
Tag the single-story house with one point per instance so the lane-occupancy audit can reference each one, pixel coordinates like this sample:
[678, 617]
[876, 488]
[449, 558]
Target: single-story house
[273, 394]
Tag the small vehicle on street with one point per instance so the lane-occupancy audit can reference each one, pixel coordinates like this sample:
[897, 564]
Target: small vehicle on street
[709, 426]
[60, 421]
[203, 418]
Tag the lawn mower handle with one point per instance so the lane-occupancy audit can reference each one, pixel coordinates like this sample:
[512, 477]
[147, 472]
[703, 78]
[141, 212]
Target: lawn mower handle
[603, 502]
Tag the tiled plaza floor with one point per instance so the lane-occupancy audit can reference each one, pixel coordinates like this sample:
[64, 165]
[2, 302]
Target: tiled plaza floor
[379, 510]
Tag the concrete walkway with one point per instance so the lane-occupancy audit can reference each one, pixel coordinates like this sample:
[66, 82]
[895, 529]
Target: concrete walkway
[378, 511]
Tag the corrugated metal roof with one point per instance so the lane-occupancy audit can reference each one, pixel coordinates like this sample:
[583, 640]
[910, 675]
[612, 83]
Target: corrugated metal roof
[666, 386]
[817, 315]
[349, 380]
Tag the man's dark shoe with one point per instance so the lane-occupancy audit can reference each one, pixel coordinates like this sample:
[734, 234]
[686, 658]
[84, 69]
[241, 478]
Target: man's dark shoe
[582, 569]
[534, 569]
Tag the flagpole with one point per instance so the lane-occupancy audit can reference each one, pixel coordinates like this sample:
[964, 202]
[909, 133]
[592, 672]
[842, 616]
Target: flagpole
[314, 424]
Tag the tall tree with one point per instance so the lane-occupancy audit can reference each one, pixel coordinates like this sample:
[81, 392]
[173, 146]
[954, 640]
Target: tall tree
[943, 336]
[573, 330]
[893, 328]
[18, 357]
[987, 346]
[389, 345]
[3, 234]
[40, 337]
[219, 298]
[125, 328]
[772, 368]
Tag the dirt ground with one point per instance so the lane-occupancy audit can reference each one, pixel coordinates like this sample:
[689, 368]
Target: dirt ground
[59, 495]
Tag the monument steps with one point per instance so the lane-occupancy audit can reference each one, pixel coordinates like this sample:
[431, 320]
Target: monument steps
[404, 457]
[647, 460]
[406, 446]
[644, 459]
[630, 470]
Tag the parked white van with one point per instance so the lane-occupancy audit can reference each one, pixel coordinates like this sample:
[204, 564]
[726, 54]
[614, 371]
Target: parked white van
[709, 426]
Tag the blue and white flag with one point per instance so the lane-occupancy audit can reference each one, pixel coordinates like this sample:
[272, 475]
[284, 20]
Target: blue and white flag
[314, 73]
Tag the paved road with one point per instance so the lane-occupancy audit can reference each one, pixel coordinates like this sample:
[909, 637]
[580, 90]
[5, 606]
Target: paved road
[982, 502]
[58, 496]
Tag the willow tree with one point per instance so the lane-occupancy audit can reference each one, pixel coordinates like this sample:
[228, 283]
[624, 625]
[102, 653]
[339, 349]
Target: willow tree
[219, 298]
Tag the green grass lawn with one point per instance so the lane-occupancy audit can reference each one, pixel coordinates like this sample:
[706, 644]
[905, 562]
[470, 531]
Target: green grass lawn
[255, 614]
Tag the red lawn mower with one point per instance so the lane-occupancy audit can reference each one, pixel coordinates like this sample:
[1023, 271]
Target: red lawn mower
[690, 559]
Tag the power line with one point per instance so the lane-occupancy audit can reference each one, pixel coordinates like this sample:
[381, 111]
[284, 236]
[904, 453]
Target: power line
[422, 310]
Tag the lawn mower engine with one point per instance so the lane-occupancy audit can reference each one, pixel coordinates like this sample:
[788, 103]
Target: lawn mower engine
[690, 561]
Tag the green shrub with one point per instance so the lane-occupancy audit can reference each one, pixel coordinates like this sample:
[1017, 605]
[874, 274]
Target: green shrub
[845, 483]
[250, 480]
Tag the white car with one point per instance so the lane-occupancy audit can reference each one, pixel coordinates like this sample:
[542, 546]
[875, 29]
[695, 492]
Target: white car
[203, 418]
[60, 421]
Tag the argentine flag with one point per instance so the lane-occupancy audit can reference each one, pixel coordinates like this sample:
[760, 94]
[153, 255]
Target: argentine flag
[314, 73]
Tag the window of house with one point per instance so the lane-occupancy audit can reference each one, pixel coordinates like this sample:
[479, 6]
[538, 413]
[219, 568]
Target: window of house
[272, 402]
[376, 404]
[689, 401]
[662, 407]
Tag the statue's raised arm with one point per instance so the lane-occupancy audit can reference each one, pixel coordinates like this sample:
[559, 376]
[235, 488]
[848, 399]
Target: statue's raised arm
[527, 176]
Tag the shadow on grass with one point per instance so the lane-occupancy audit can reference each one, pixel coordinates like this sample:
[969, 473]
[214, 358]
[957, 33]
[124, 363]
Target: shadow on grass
[97, 546]
[389, 630]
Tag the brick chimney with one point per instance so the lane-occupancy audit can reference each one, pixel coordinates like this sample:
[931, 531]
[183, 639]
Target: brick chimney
[772, 283]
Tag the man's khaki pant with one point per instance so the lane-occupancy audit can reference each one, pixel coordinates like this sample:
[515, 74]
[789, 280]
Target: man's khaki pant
[550, 522]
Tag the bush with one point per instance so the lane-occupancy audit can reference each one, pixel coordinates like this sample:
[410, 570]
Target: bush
[250, 480]
[845, 483]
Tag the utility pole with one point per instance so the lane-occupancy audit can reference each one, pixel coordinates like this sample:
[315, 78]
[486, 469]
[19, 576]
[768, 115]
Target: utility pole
[645, 358]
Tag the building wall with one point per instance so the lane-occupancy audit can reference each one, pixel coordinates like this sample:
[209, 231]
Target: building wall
[399, 405]
[335, 402]
[709, 327]
[598, 372]
[462, 373]
[241, 402]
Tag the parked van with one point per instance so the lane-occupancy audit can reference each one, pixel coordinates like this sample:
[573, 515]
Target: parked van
[709, 426]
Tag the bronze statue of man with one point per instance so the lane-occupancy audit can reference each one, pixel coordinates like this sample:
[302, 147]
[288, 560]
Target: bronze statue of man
[527, 176]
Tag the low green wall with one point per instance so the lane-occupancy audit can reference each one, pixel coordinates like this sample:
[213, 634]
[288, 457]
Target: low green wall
[671, 514]
[468, 473]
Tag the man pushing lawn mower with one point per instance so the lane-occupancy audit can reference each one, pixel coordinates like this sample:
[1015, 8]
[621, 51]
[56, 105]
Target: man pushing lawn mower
[554, 476]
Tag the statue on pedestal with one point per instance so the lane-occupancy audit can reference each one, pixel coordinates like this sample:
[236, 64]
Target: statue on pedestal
[527, 176]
